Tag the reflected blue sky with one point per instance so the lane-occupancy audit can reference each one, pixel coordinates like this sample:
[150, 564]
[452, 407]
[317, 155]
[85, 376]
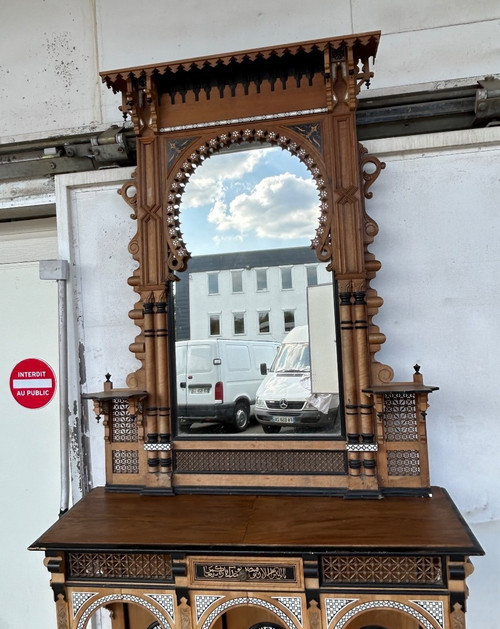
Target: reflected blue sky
[247, 200]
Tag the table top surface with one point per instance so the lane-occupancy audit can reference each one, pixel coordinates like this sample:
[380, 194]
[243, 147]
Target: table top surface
[200, 522]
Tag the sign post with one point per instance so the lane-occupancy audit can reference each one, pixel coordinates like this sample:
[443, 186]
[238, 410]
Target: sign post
[32, 383]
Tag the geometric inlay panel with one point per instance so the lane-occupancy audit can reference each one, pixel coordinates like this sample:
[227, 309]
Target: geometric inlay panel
[395, 570]
[110, 598]
[293, 604]
[383, 605]
[334, 605]
[78, 599]
[434, 609]
[202, 602]
[248, 600]
[166, 602]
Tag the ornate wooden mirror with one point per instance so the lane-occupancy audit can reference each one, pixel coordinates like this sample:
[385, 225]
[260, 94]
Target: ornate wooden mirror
[250, 215]
[299, 100]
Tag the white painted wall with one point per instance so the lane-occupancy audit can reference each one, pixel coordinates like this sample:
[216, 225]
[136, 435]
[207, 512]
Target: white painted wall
[437, 209]
[94, 231]
[49, 72]
[29, 448]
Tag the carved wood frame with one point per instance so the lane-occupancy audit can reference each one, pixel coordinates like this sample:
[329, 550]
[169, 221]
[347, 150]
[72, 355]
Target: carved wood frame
[303, 98]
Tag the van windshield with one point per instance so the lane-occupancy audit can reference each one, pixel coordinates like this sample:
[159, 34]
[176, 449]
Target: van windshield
[292, 357]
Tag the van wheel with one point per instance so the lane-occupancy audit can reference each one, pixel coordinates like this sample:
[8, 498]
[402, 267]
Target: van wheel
[270, 430]
[241, 417]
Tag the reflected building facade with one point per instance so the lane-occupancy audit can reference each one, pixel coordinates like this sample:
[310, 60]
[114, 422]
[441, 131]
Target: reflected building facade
[256, 295]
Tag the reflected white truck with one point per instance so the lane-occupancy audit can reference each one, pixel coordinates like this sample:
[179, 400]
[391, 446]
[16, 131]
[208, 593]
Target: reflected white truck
[217, 379]
[284, 398]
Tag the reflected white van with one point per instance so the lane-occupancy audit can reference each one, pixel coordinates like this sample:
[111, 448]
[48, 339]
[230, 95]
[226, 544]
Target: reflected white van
[284, 398]
[217, 380]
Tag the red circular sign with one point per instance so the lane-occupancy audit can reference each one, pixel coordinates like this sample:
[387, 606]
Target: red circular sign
[32, 383]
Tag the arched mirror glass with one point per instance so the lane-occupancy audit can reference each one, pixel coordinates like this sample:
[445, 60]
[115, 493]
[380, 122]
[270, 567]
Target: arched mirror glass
[256, 351]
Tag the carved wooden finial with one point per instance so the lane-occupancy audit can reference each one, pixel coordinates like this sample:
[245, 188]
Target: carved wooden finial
[417, 376]
[108, 385]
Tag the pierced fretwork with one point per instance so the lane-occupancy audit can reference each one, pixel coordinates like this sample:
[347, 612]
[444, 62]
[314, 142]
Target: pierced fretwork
[154, 567]
[403, 463]
[125, 461]
[400, 417]
[123, 425]
[395, 570]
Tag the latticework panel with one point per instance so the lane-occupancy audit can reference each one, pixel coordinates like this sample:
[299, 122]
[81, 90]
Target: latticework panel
[403, 463]
[398, 570]
[123, 425]
[125, 461]
[400, 417]
[126, 566]
[261, 462]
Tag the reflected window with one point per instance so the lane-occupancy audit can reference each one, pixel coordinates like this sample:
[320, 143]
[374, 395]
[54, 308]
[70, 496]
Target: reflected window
[213, 283]
[239, 323]
[214, 325]
[286, 278]
[312, 275]
[263, 322]
[261, 279]
[288, 320]
[237, 281]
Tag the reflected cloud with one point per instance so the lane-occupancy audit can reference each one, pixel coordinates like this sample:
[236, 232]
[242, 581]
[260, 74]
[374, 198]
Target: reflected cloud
[283, 206]
[236, 198]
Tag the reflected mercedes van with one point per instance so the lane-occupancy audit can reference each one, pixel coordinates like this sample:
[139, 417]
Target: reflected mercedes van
[284, 398]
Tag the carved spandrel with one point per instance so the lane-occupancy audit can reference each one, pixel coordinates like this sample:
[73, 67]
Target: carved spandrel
[311, 131]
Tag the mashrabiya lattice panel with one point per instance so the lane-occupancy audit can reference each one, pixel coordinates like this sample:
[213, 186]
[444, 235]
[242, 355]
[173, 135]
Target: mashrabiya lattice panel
[123, 425]
[157, 567]
[264, 462]
[400, 417]
[403, 463]
[393, 570]
[125, 461]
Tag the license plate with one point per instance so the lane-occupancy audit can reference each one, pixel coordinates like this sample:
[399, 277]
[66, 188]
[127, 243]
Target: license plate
[284, 419]
[200, 390]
